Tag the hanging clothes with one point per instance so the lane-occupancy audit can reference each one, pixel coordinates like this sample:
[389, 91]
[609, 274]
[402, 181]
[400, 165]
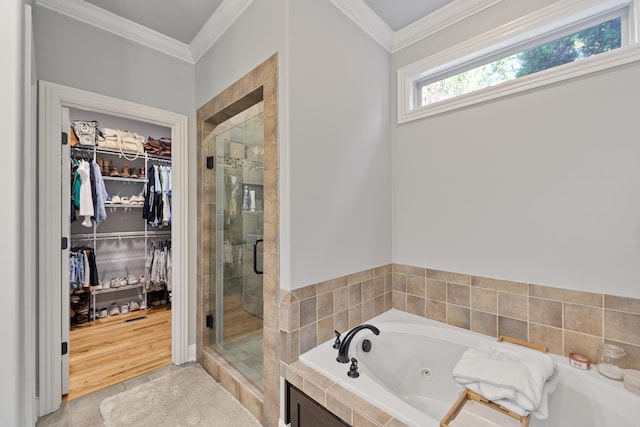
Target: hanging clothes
[157, 201]
[86, 198]
[101, 194]
[158, 267]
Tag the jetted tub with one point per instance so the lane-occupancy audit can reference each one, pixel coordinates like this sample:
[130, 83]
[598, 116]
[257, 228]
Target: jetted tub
[407, 374]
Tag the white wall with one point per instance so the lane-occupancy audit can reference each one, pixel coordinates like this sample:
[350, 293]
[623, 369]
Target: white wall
[541, 187]
[339, 146]
[254, 37]
[11, 116]
[81, 56]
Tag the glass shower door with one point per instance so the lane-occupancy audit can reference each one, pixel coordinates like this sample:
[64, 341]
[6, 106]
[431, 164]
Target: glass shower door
[239, 248]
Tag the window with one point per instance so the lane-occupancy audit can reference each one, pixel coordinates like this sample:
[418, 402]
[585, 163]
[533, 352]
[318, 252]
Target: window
[549, 39]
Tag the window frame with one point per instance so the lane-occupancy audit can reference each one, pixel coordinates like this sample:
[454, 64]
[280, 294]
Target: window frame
[545, 24]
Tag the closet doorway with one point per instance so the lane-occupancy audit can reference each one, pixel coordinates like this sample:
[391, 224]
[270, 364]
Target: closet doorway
[120, 307]
[123, 243]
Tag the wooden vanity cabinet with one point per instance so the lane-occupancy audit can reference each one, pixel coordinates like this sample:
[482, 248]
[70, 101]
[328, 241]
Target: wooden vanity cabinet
[302, 411]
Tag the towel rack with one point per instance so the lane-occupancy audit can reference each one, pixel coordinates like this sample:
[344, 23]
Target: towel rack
[472, 395]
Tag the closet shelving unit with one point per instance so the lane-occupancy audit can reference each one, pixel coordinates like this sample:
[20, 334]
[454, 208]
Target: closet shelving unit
[143, 233]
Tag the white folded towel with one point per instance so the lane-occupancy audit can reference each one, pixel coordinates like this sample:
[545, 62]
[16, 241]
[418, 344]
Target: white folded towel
[513, 376]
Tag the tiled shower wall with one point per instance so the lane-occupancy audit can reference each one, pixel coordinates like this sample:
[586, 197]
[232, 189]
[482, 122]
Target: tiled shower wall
[563, 320]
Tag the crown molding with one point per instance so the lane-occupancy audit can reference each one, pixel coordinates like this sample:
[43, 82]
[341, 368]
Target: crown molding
[367, 20]
[107, 21]
[226, 14]
[440, 19]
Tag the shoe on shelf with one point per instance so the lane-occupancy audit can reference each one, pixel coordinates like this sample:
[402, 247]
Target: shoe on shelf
[116, 199]
[143, 174]
[126, 173]
[113, 171]
[115, 283]
[123, 281]
[114, 310]
[133, 174]
[124, 309]
[97, 287]
[106, 284]
[124, 200]
[132, 280]
[143, 305]
[134, 306]
[103, 313]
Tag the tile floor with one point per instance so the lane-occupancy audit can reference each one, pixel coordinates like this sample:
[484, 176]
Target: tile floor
[245, 354]
[85, 411]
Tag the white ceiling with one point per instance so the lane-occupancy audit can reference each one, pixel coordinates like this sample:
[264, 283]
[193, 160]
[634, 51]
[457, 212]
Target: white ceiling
[397, 14]
[180, 20]
[186, 29]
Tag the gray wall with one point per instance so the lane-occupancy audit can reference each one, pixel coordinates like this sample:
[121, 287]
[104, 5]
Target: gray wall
[78, 55]
[334, 135]
[339, 146]
[539, 187]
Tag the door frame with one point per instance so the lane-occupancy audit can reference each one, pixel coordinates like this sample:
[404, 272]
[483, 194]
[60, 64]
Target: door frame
[52, 98]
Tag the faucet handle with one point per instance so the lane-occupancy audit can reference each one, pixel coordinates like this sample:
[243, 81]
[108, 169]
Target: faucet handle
[353, 369]
[336, 344]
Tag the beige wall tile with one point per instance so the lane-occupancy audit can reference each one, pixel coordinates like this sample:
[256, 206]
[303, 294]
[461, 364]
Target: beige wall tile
[308, 337]
[409, 270]
[620, 326]
[581, 343]
[416, 286]
[368, 310]
[355, 316]
[458, 316]
[499, 285]
[445, 276]
[360, 420]
[513, 328]
[545, 312]
[367, 290]
[305, 292]
[547, 336]
[325, 329]
[399, 282]
[566, 295]
[314, 392]
[399, 300]
[512, 305]
[378, 286]
[484, 323]
[630, 305]
[355, 294]
[382, 270]
[341, 321]
[583, 319]
[360, 276]
[458, 294]
[325, 304]
[416, 305]
[436, 290]
[307, 311]
[332, 285]
[340, 299]
[484, 300]
[309, 374]
[436, 310]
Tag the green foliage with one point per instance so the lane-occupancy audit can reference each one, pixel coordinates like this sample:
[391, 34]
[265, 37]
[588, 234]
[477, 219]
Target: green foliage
[582, 44]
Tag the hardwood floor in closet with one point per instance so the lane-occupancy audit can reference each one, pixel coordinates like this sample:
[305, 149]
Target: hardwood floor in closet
[111, 351]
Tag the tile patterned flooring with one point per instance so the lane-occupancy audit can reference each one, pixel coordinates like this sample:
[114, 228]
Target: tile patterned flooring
[246, 355]
[85, 411]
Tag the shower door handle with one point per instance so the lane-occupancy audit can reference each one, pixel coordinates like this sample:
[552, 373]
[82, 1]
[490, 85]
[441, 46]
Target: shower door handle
[255, 256]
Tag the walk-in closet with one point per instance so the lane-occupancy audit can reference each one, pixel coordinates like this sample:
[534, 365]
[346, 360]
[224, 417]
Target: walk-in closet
[120, 253]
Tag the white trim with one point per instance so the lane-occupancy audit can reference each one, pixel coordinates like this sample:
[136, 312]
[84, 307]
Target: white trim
[439, 20]
[107, 21]
[53, 98]
[535, 24]
[226, 14]
[367, 20]
[31, 218]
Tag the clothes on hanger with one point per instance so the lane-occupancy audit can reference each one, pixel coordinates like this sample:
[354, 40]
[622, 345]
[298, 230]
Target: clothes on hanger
[158, 267]
[157, 200]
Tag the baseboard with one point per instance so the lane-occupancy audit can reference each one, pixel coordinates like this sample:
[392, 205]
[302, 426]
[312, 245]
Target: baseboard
[191, 353]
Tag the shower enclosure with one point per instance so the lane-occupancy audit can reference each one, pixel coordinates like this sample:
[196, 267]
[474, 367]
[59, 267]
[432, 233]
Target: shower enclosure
[235, 288]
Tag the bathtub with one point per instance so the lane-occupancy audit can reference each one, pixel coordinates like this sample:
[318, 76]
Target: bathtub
[407, 374]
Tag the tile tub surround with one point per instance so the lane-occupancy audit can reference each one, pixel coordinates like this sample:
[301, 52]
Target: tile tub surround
[563, 320]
